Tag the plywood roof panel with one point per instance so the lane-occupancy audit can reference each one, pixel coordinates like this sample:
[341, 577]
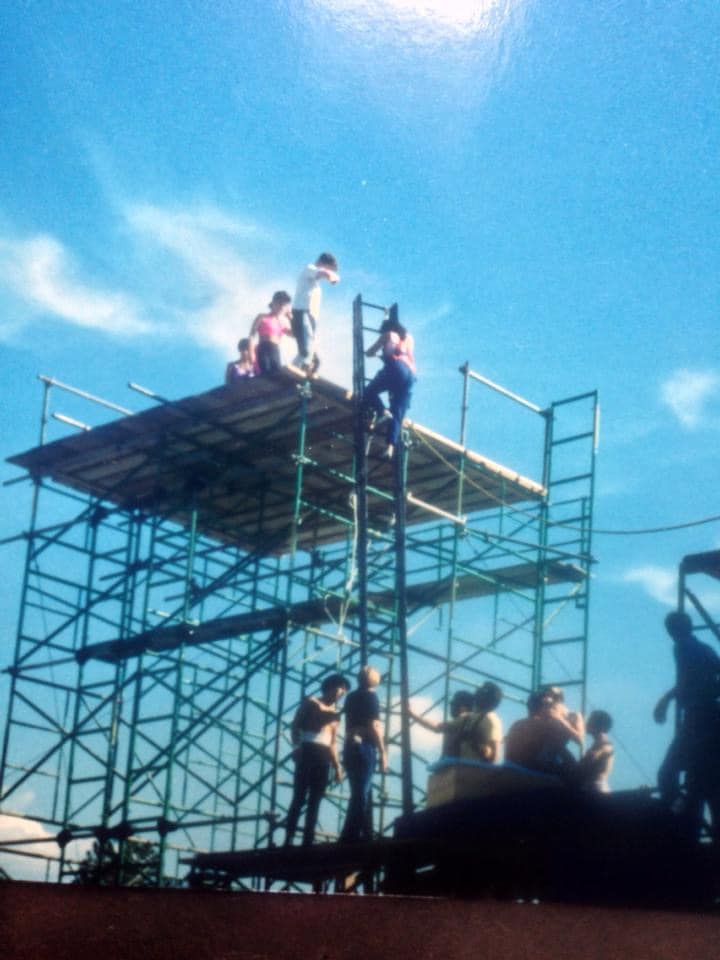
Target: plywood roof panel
[234, 450]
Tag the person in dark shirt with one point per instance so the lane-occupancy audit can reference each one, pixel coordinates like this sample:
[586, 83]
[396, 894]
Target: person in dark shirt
[364, 748]
[694, 749]
[314, 736]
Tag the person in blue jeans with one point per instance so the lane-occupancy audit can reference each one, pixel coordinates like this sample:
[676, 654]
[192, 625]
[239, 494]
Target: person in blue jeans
[396, 378]
[364, 747]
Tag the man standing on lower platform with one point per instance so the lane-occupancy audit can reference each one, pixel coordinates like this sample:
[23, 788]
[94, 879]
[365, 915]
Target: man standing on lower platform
[696, 745]
[364, 748]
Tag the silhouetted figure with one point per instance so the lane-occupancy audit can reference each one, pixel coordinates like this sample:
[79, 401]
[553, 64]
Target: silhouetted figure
[596, 762]
[696, 745]
[314, 735]
[364, 748]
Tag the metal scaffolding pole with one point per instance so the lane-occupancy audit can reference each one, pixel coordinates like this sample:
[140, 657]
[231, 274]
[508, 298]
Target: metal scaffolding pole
[180, 608]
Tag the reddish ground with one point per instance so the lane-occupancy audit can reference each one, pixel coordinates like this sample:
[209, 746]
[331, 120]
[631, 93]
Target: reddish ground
[39, 921]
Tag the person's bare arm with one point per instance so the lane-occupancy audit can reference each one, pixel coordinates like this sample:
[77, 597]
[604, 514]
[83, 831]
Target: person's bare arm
[377, 730]
[372, 350]
[329, 274]
[573, 732]
[296, 725]
[334, 754]
[434, 725]
[253, 335]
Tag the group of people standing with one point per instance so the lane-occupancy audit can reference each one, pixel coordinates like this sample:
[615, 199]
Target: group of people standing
[472, 733]
[549, 740]
[259, 352]
[314, 735]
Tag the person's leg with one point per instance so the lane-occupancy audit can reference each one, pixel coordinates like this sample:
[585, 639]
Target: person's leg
[299, 327]
[317, 782]
[352, 774]
[311, 339]
[369, 761]
[400, 395]
[668, 777]
[300, 787]
[266, 356]
[358, 768]
[360, 759]
[380, 383]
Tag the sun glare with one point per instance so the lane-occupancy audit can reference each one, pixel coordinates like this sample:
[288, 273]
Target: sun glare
[465, 16]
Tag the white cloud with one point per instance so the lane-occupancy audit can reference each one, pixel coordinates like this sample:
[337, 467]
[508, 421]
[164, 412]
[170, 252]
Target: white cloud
[21, 867]
[40, 272]
[687, 393]
[661, 583]
[212, 279]
[424, 742]
[204, 243]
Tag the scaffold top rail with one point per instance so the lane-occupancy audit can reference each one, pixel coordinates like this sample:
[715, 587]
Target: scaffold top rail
[233, 449]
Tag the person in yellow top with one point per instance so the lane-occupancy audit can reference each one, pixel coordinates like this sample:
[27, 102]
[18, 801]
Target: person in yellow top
[474, 731]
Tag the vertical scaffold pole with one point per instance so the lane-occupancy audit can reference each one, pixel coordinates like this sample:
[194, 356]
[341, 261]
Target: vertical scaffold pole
[539, 625]
[401, 613]
[24, 590]
[360, 439]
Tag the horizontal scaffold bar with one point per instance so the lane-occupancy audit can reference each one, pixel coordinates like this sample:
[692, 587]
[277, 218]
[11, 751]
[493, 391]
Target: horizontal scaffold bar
[324, 609]
[224, 462]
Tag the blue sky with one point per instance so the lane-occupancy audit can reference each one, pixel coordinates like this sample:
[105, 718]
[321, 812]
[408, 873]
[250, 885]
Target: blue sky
[534, 182]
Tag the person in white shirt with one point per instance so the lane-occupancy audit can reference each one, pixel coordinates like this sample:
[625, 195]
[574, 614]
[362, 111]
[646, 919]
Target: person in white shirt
[306, 308]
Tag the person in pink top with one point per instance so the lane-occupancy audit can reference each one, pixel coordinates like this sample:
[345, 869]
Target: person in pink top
[396, 378]
[269, 329]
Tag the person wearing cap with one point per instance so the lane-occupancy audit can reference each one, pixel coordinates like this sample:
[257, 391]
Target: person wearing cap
[364, 748]
[314, 736]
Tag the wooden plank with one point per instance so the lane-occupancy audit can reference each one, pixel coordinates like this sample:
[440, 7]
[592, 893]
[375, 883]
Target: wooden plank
[239, 446]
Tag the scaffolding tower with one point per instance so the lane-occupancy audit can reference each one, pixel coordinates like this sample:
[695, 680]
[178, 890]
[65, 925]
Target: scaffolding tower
[195, 569]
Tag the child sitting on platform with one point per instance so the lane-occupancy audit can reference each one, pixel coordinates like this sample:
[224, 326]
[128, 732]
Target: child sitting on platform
[243, 367]
[596, 763]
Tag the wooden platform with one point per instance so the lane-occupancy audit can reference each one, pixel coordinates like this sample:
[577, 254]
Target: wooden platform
[233, 451]
[325, 609]
[548, 843]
